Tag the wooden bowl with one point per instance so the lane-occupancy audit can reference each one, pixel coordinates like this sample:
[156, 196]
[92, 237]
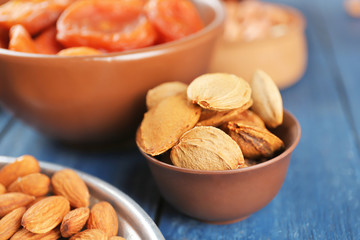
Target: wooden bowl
[231, 195]
[283, 58]
[91, 98]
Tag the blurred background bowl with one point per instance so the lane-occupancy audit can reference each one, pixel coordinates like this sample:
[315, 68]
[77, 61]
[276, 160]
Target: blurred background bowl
[230, 195]
[283, 57]
[92, 98]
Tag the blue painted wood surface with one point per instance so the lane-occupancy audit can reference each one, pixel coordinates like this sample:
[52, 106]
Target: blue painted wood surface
[320, 198]
[120, 165]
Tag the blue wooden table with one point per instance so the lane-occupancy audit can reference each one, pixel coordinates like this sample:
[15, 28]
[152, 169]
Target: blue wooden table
[320, 198]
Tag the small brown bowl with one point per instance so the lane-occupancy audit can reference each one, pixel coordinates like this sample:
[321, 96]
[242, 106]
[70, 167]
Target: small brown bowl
[231, 195]
[87, 98]
[283, 58]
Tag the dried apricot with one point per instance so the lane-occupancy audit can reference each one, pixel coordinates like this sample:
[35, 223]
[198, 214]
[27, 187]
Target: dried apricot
[174, 19]
[46, 42]
[20, 40]
[34, 15]
[109, 25]
[78, 51]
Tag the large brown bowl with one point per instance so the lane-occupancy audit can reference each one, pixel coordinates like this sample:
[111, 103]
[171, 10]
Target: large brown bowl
[88, 98]
[230, 195]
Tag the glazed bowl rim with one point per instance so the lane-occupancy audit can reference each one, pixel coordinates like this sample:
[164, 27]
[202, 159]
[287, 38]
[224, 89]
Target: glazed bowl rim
[219, 18]
[271, 161]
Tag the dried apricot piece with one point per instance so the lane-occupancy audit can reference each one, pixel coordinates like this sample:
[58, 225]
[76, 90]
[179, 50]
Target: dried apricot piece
[174, 19]
[46, 42]
[78, 51]
[20, 40]
[110, 25]
[34, 15]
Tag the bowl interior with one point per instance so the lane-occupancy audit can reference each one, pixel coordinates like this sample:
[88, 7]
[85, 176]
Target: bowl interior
[211, 12]
[289, 132]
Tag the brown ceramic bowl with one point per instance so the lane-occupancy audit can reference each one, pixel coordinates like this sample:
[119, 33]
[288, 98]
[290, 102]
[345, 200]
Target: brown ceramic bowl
[230, 195]
[88, 98]
[283, 58]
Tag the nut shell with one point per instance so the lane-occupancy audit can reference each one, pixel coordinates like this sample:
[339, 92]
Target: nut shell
[206, 148]
[255, 142]
[215, 118]
[220, 92]
[267, 99]
[250, 118]
[155, 95]
[163, 125]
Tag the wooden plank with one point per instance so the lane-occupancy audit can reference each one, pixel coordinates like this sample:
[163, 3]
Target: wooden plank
[5, 121]
[320, 198]
[343, 51]
[122, 166]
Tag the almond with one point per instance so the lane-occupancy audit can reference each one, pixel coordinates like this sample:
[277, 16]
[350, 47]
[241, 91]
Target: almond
[90, 234]
[35, 201]
[2, 189]
[11, 223]
[46, 214]
[22, 166]
[23, 234]
[35, 184]
[11, 201]
[116, 238]
[68, 183]
[74, 221]
[103, 217]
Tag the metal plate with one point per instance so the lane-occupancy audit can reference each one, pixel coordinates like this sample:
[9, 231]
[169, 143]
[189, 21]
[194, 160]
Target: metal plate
[134, 223]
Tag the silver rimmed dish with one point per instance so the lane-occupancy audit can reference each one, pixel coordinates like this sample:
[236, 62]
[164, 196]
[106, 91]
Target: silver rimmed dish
[134, 223]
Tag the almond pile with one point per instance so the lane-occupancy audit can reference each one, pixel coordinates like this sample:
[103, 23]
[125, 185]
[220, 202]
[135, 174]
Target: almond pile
[218, 122]
[29, 210]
